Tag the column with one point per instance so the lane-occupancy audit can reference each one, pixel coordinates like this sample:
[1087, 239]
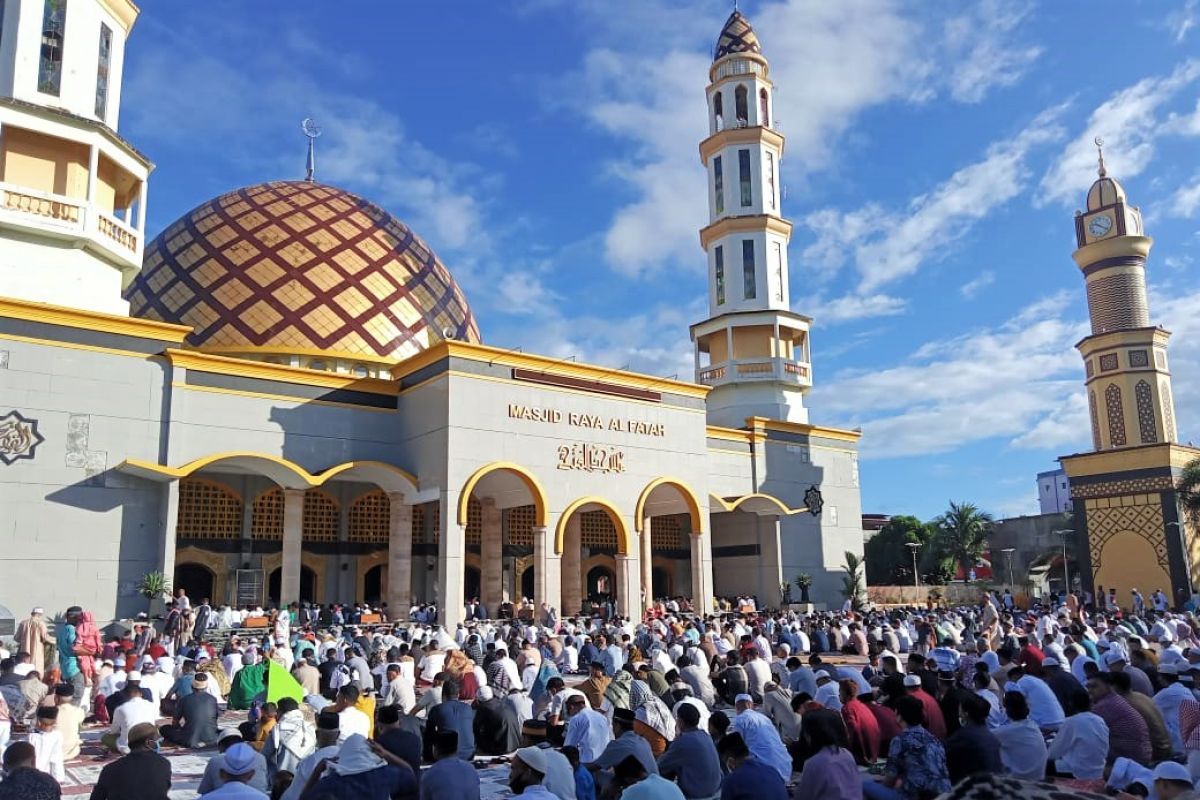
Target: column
[628, 584]
[702, 591]
[400, 536]
[491, 559]
[93, 173]
[293, 536]
[452, 544]
[547, 571]
[770, 566]
[647, 587]
[572, 580]
[170, 519]
[141, 225]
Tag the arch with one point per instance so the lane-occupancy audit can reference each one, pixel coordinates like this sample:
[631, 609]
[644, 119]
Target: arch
[1128, 560]
[197, 579]
[386, 476]
[214, 563]
[689, 498]
[308, 585]
[285, 473]
[310, 561]
[756, 503]
[764, 109]
[741, 106]
[625, 543]
[364, 565]
[525, 476]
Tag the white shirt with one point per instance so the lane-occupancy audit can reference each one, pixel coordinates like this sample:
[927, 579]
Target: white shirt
[1022, 749]
[557, 701]
[759, 674]
[432, 664]
[763, 741]
[48, 753]
[590, 731]
[305, 768]
[996, 717]
[1044, 708]
[352, 721]
[1081, 745]
[128, 714]
[1168, 701]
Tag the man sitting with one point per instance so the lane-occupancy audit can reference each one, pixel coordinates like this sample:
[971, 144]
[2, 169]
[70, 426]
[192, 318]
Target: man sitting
[195, 721]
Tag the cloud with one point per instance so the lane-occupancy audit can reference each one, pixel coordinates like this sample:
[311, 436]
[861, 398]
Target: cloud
[977, 284]
[1181, 22]
[1185, 201]
[523, 293]
[1129, 123]
[980, 41]
[853, 307]
[889, 245]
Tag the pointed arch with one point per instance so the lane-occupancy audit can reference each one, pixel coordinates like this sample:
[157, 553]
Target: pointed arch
[625, 543]
[526, 477]
[689, 496]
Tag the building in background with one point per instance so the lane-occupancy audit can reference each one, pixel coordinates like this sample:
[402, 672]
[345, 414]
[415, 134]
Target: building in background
[1054, 491]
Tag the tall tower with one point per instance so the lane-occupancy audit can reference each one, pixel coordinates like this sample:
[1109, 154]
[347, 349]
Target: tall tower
[1125, 357]
[72, 191]
[1129, 529]
[752, 349]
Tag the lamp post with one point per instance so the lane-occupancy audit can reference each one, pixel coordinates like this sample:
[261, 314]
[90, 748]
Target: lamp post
[1064, 532]
[913, 548]
[1008, 551]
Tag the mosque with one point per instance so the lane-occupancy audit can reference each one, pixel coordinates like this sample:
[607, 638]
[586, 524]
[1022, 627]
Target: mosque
[285, 396]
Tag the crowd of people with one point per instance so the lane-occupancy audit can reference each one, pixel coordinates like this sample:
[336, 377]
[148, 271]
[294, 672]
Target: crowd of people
[897, 703]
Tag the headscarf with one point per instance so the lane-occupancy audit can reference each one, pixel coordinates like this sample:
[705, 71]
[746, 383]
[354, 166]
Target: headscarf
[618, 690]
[355, 757]
[545, 672]
[474, 650]
[87, 636]
[216, 671]
[248, 684]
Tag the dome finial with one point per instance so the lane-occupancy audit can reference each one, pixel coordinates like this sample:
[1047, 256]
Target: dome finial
[1100, 153]
[311, 131]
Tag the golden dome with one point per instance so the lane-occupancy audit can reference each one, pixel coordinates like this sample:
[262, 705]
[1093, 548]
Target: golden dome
[294, 267]
[736, 37]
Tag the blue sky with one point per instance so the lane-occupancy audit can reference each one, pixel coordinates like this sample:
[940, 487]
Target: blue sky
[547, 149]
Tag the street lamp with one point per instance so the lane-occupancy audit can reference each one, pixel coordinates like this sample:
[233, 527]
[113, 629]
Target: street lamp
[1066, 573]
[1008, 551]
[914, 547]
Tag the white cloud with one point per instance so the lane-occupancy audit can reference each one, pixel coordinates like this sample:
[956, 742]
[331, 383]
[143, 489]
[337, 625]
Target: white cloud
[524, 293]
[1129, 123]
[889, 245]
[980, 40]
[1185, 201]
[977, 284]
[852, 307]
[1181, 22]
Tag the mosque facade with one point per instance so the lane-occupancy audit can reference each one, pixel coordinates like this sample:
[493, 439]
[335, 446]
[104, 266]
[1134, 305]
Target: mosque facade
[285, 396]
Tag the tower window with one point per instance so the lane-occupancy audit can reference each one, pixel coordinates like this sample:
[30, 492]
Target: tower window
[718, 111]
[719, 257]
[764, 118]
[777, 259]
[719, 184]
[54, 23]
[744, 178]
[748, 287]
[102, 65]
[741, 106]
[771, 179]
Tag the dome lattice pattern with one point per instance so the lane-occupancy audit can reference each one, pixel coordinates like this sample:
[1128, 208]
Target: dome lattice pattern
[294, 266]
[736, 37]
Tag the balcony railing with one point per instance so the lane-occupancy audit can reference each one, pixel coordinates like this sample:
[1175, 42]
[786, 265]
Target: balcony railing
[781, 370]
[69, 217]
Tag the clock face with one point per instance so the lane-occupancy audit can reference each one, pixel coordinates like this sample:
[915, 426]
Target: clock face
[1099, 226]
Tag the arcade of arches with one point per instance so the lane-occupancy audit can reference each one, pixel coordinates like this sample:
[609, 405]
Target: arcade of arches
[235, 534]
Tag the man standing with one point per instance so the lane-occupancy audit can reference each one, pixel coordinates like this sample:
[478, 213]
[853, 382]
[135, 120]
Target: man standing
[68, 662]
[32, 637]
[202, 615]
[141, 773]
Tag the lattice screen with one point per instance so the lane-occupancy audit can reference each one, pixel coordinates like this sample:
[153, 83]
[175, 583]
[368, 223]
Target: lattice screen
[320, 516]
[596, 531]
[266, 518]
[435, 526]
[518, 525]
[474, 532]
[208, 510]
[368, 517]
[666, 533]
[431, 512]
[418, 523]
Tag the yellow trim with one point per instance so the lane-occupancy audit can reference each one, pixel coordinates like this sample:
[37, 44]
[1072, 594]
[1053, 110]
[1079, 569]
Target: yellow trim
[495, 355]
[311, 479]
[286, 397]
[1147, 456]
[739, 453]
[749, 224]
[733, 434]
[305, 352]
[751, 134]
[73, 346]
[732, 505]
[91, 320]
[123, 11]
[242, 368]
[625, 543]
[689, 497]
[333, 472]
[1112, 248]
[762, 423]
[527, 477]
[1139, 337]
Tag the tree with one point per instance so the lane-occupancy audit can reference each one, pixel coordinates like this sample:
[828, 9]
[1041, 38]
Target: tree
[1189, 491]
[889, 561]
[852, 582]
[962, 533]
[154, 586]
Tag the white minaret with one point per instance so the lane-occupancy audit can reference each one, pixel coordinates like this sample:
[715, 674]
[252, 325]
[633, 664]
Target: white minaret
[72, 191]
[752, 349]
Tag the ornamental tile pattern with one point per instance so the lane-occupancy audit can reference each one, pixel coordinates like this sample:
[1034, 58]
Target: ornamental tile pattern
[1139, 358]
[1108, 362]
[19, 438]
[1164, 391]
[288, 266]
[1116, 488]
[1139, 514]
[736, 37]
[1116, 415]
[1096, 443]
[1147, 430]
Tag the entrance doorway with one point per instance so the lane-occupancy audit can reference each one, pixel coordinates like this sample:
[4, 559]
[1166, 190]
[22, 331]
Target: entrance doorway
[373, 585]
[601, 583]
[472, 582]
[308, 582]
[195, 579]
[527, 583]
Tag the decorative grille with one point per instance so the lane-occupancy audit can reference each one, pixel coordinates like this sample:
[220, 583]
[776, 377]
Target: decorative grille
[208, 510]
[320, 516]
[369, 516]
[596, 531]
[518, 525]
[666, 533]
[474, 532]
[266, 517]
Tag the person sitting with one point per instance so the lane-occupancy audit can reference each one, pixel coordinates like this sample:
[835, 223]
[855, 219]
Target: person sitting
[1171, 781]
[134, 709]
[450, 778]
[861, 725]
[634, 782]
[1022, 746]
[585, 784]
[916, 765]
[291, 739]
[70, 720]
[195, 721]
[627, 743]
[451, 714]
[47, 742]
[497, 727]
[830, 772]
[212, 777]
[1128, 735]
[746, 777]
[141, 772]
[691, 760]
[22, 779]
[400, 735]
[972, 748]
[1080, 747]
[237, 771]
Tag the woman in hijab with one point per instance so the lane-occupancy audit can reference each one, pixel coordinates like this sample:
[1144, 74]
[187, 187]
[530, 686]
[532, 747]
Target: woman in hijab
[87, 645]
[474, 648]
[619, 690]
[249, 683]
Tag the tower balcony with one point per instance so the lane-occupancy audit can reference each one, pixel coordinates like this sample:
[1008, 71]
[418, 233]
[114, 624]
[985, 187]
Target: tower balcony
[749, 370]
[70, 219]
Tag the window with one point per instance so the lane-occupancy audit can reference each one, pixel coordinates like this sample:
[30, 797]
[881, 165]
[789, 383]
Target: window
[719, 184]
[744, 177]
[777, 263]
[718, 110]
[748, 288]
[719, 256]
[54, 22]
[764, 118]
[741, 106]
[102, 64]
[771, 179]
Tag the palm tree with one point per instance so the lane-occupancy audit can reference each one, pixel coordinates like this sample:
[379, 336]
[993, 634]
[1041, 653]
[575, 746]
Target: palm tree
[962, 533]
[852, 581]
[1189, 491]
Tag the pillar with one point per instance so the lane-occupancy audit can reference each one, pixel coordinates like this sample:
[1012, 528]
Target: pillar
[452, 546]
[293, 536]
[400, 536]
[628, 584]
[547, 571]
[141, 223]
[93, 173]
[571, 568]
[647, 587]
[770, 566]
[170, 521]
[701, 573]
[491, 559]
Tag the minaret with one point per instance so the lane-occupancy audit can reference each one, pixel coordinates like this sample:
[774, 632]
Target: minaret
[752, 349]
[1125, 357]
[72, 191]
